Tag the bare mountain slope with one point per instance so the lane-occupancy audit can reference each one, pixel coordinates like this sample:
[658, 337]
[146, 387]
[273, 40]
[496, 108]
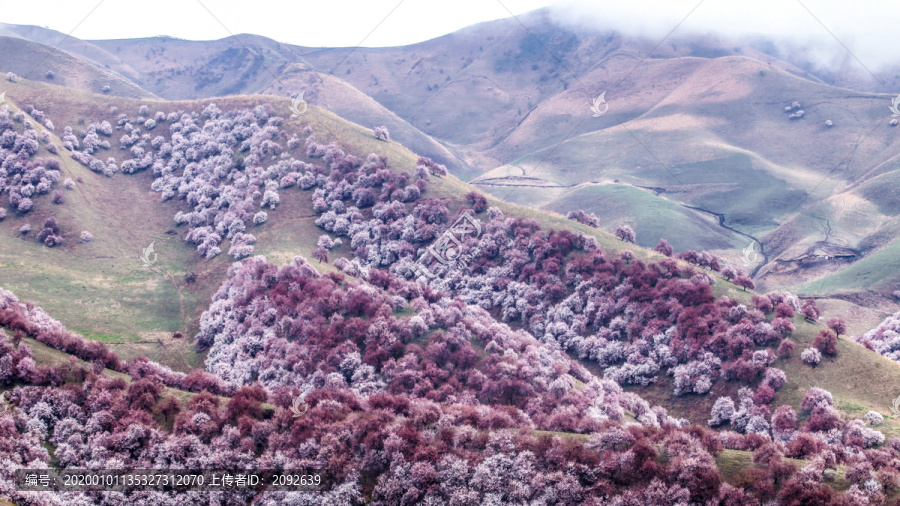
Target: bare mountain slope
[34, 60]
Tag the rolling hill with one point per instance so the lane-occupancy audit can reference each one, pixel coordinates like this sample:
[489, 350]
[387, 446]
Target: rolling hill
[498, 100]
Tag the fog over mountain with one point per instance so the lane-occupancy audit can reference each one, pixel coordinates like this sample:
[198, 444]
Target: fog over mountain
[845, 41]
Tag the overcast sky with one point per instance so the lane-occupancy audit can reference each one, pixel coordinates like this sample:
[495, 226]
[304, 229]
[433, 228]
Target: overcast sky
[303, 22]
[866, 28]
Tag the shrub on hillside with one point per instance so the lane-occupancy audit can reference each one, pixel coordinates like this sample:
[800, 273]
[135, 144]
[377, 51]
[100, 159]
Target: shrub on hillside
[764, 395]
[24, 206]
[763, 303]
[811, 356]
[729, 272]
[665, 248]
[625, 233]
[775, 378]
[320, 254]
[430, 167]
[381, 133]
[582, 217]
[810, 310]
[874, 418]
[838, 326]
[826, 342]
[816, 397]
[784, 310]
[478, 201]
[722, 412]
[783, 327]
[744, 282]
[885, 338]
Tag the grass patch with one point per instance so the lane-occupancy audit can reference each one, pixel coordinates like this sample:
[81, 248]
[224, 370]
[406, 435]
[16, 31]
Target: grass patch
[872, 272]
[653, 216]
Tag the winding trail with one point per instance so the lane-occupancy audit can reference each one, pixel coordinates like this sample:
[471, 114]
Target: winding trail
[656, 190]
[721, 218]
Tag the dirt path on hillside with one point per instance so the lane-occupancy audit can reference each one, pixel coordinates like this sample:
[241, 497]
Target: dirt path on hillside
[721, 218]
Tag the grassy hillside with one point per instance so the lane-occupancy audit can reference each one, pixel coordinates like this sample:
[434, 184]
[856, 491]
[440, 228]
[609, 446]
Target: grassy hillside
[71, 45]
[877, 271]
[654, 216]
[336, 95]
[102, 289]
[860, 380]
[34, 60]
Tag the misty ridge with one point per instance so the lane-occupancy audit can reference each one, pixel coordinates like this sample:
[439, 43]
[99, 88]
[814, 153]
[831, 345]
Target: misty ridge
[589, 254]
[822, 36]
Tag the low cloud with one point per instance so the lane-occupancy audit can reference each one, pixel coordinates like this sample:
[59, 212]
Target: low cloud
[867, 30]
